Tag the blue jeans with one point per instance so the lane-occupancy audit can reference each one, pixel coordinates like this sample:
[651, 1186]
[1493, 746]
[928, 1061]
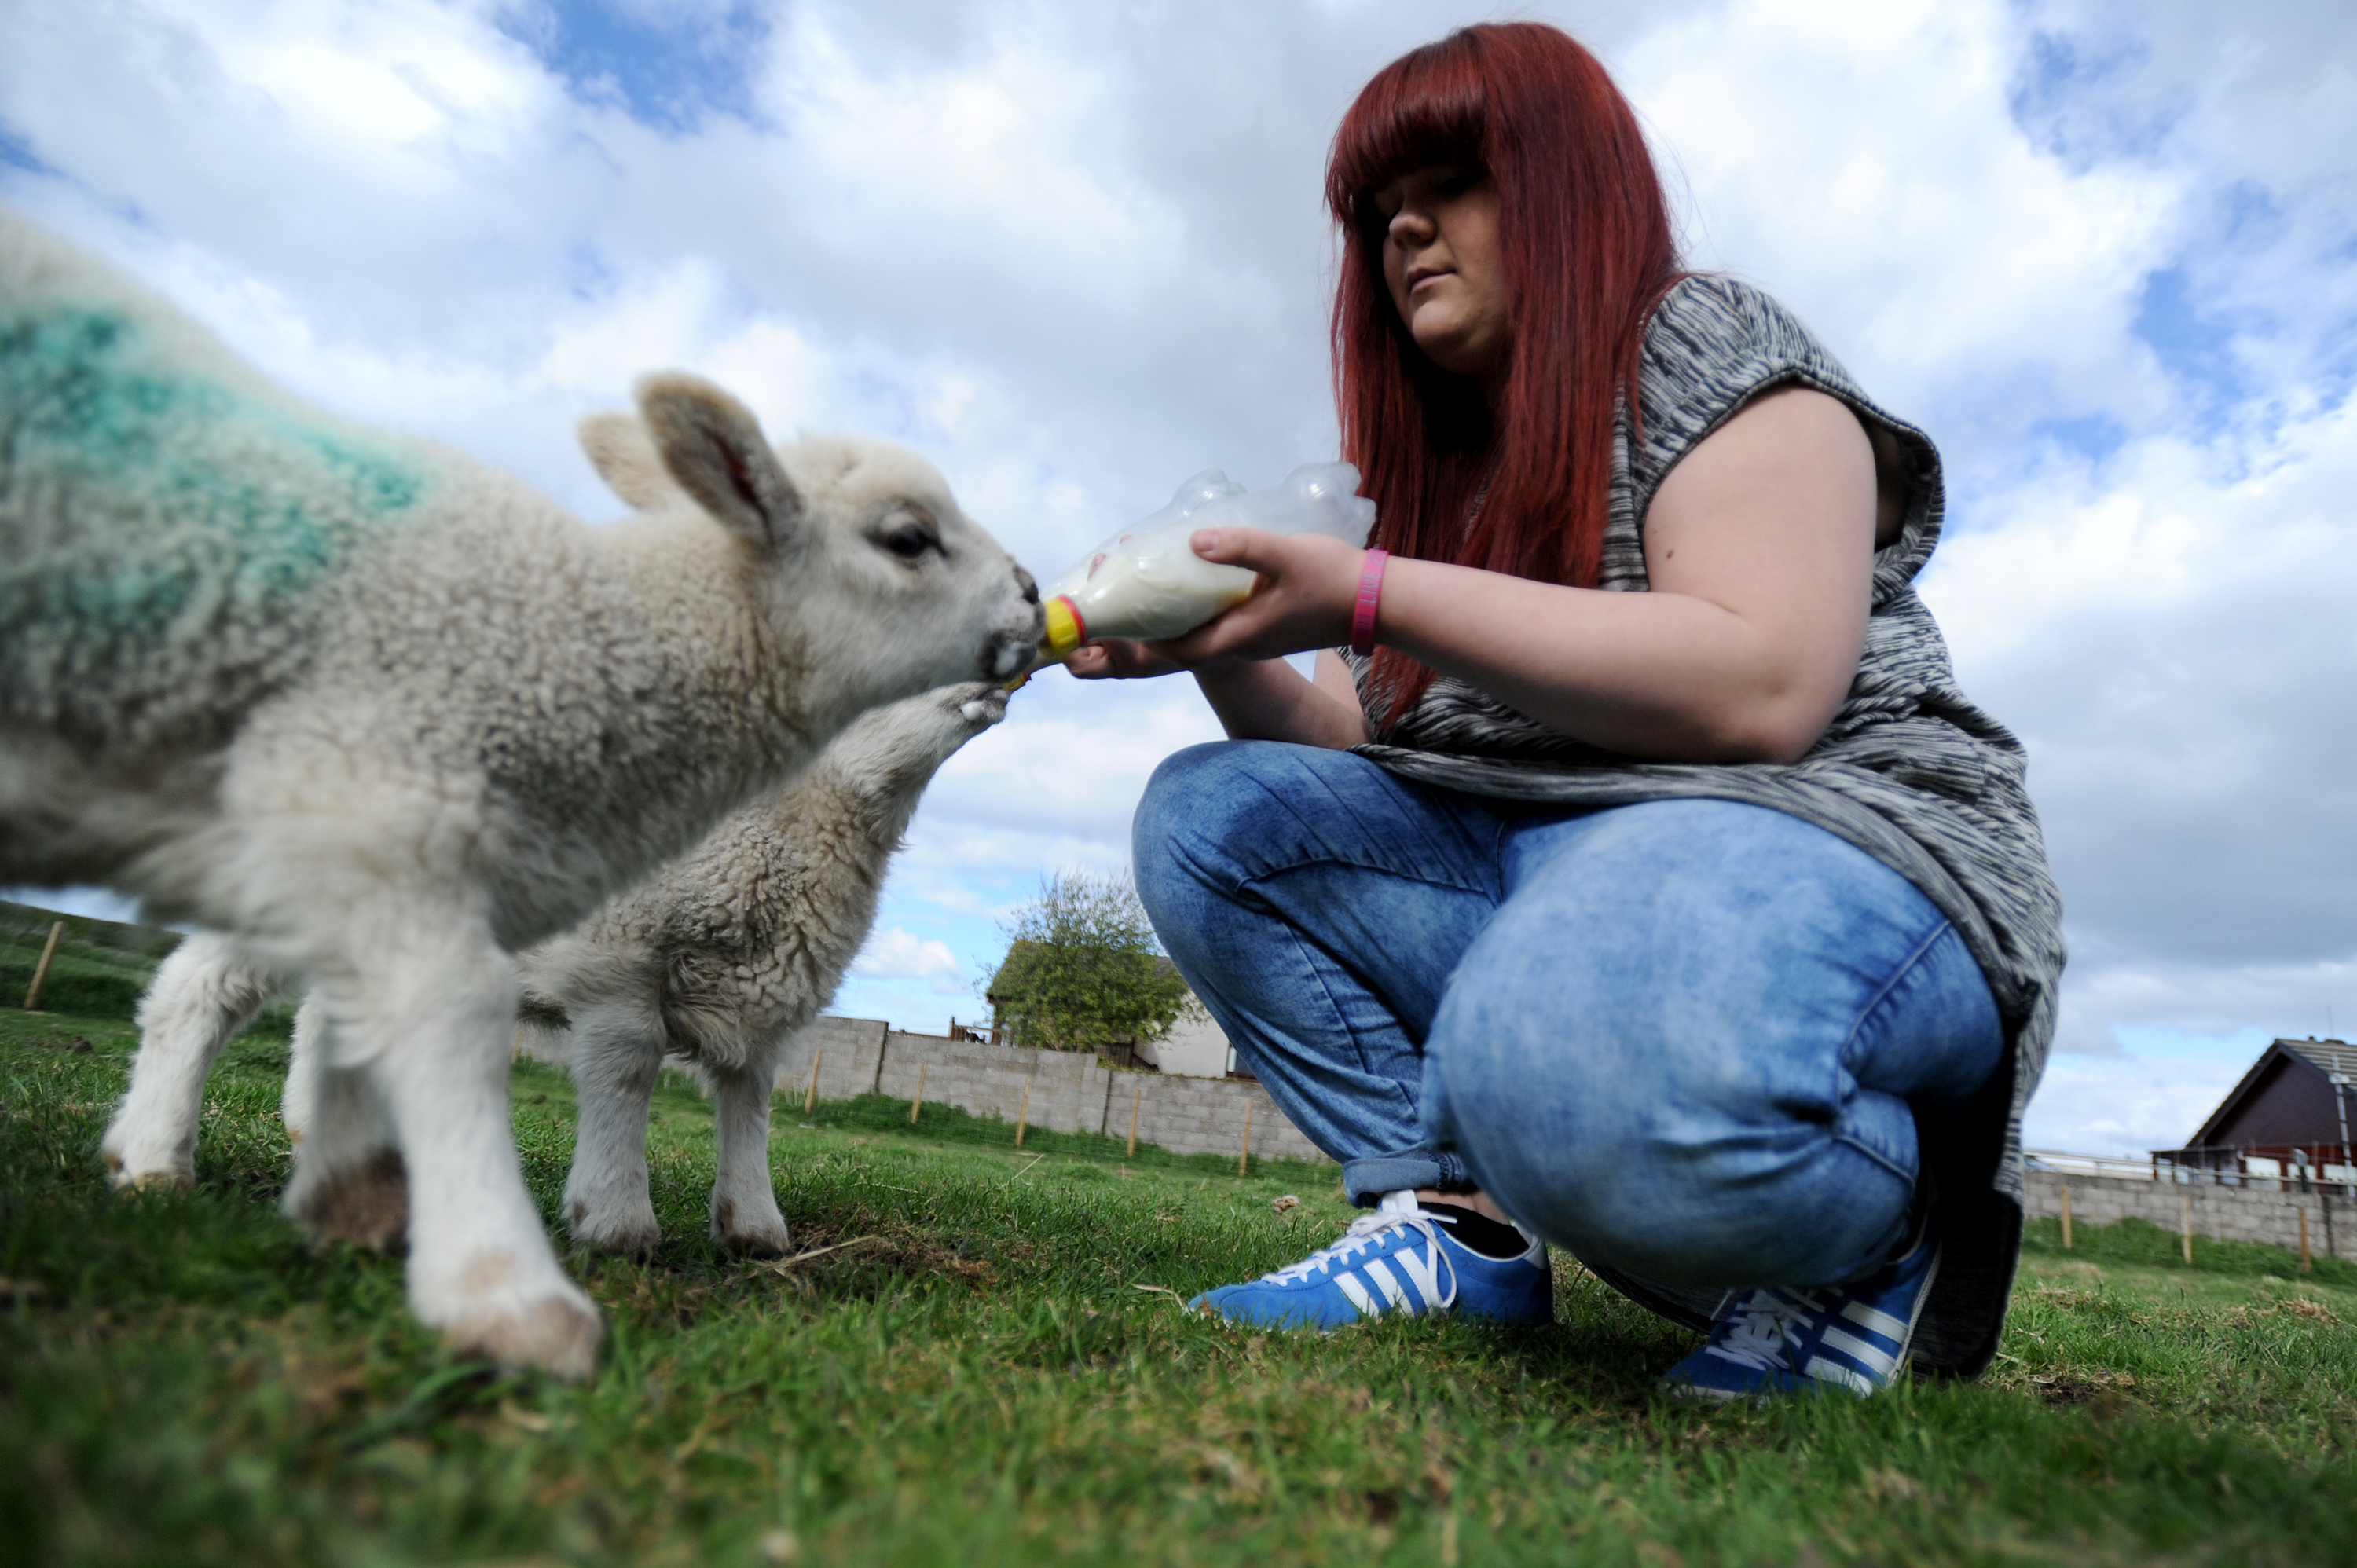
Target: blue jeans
[1687, 1039]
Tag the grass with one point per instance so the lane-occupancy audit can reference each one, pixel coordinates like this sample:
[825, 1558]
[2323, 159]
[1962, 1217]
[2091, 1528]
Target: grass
[996, 1373]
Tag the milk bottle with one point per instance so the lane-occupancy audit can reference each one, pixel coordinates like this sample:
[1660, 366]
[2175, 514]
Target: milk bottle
[1147, 580]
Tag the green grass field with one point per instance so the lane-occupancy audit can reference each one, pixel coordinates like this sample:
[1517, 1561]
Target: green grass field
[996, 1372]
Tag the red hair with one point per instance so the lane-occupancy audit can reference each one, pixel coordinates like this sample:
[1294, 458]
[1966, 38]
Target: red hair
[1585, 234]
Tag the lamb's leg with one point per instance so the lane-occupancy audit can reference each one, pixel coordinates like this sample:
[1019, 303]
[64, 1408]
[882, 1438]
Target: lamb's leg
[745, 1216]
[350, 1183]
[297, 1102]
[431, 1020]
[204, 993]
[616, 1053]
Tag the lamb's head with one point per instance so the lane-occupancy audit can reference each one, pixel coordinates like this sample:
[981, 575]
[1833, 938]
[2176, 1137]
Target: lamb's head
[863, 559]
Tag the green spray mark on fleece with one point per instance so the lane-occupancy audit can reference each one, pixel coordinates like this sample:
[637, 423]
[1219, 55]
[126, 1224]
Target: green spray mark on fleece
[197, 503]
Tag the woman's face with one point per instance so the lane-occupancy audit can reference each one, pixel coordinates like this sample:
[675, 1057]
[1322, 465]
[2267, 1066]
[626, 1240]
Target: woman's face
[1442, 264]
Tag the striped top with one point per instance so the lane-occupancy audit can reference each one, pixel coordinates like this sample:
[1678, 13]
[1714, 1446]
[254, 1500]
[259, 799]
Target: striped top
[1911, 771]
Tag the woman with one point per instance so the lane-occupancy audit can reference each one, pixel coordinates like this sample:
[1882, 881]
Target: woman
[1638, 876]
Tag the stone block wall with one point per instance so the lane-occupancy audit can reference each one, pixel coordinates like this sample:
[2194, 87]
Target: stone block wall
[2222, 1213]
[1071, 1091]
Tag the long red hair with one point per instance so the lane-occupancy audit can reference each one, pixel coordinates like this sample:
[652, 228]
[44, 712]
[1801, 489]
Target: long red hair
[1585, 232]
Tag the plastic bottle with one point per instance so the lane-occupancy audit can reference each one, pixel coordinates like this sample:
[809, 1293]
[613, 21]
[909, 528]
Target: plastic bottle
[1147, 580]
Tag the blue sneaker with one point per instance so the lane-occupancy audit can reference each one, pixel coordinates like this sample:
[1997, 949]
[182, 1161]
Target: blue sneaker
[1847, 1337]
[1397, 1258]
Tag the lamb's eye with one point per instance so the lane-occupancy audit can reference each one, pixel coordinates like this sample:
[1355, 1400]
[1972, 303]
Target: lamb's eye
[909, 542]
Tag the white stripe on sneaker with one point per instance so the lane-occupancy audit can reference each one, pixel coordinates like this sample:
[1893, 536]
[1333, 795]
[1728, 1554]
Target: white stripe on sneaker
[1425, 1273]
[1835, 1372]
[1858, 1351]
[1882, 1323]
[1358, 1296]
[1392, 1292]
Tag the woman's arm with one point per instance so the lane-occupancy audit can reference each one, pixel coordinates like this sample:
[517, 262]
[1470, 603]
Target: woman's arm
[1759, 548]
[1256, 699]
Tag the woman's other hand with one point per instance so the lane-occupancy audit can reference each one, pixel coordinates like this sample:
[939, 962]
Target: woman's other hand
[1118, 659]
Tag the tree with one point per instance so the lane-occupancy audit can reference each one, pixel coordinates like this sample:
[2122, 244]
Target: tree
[1084, 970]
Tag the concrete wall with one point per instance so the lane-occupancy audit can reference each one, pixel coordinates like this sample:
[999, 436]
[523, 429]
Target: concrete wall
[2224, 1213]
[1071, 1091]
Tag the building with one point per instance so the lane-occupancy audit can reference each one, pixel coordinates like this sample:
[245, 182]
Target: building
[2287, 1122]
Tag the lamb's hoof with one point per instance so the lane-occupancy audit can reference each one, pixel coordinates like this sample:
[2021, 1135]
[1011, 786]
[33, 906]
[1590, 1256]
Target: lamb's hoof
[752, 1235]
[131, 1176]
[630, 1235]
[365, 1205]
[153, 1181]
[557, 1334]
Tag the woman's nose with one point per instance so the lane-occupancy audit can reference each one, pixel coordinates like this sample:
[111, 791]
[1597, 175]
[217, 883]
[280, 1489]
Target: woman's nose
[1411, 225]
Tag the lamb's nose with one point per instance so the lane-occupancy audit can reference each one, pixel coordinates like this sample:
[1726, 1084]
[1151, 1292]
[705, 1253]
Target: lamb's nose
[1030, 585]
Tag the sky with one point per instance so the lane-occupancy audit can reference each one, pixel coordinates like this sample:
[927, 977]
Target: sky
[1073, 254]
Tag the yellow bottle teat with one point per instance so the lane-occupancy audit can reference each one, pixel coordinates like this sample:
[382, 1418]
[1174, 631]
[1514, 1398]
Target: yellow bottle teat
[1063, 628]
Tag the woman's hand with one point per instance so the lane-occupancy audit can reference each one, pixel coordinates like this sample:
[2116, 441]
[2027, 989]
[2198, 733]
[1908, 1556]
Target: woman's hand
[1117, 658]
[1306, 589]
[1309, 586]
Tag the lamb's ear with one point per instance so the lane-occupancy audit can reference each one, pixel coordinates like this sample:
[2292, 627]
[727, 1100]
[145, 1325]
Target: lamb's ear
[713, 446]
[620, 448]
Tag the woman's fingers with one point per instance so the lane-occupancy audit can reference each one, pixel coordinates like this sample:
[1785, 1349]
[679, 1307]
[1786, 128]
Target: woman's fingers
[1117, 658]
[1307, 584]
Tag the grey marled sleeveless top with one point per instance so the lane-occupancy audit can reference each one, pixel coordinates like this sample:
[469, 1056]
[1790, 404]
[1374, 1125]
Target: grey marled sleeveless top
[1911, 771]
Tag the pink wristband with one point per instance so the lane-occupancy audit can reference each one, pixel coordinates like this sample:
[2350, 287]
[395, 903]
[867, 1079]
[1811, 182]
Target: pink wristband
[1371, 591]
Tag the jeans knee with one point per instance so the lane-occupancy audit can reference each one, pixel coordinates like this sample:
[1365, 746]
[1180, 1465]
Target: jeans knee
[1169, 823]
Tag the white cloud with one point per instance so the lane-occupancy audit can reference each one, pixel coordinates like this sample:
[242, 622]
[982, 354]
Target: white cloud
[894, 953]
[2127, 1106]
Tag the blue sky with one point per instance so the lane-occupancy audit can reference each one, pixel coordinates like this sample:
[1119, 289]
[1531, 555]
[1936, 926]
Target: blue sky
[2102, 251]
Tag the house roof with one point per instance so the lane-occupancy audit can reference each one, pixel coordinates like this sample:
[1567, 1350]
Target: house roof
[2312, 1058]
[2327, 1055]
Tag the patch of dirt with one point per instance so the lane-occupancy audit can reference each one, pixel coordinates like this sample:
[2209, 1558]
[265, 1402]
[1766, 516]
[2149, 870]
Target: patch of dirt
[2103, 1391]
[2065, 1296]
[882, 1247]
[2299, 1306]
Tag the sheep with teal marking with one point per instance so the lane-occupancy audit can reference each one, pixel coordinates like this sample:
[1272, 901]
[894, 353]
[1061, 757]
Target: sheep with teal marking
[379, 717]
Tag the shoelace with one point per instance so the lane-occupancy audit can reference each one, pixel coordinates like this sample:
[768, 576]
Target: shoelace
[1763, 1325]
[1364, 1232]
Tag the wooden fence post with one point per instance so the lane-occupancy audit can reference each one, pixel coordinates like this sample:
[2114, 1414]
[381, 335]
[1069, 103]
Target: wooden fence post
[919, 1104]
[2306, 1264]
[1023, 1117]
[809, 1100]
[2185, 1224]
[2066, 1216]
[1243, 1160]
[1136, 1098]
[41, 970]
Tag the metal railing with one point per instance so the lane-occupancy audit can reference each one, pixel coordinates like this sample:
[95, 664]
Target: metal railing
[2280, 1168]
[2265, 1167]
[2091, 1165]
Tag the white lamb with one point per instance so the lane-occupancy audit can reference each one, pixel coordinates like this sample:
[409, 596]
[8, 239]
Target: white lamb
[382, 715]
[719, 959]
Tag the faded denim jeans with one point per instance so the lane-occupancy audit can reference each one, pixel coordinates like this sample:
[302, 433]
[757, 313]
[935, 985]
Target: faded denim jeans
[1687, 1039]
